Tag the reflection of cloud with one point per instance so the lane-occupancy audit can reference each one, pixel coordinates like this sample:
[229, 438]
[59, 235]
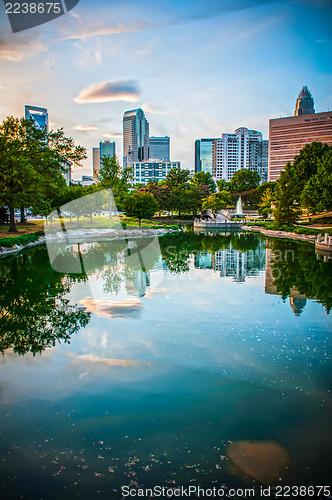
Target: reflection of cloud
[107, 308]
[85, 128]
[151, 292]
[91, 358]
[121, 90]
[265, 461]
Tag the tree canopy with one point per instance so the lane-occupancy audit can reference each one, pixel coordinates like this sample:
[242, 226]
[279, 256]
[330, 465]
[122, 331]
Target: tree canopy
[244, 180]
[141, 206]
[32, 163]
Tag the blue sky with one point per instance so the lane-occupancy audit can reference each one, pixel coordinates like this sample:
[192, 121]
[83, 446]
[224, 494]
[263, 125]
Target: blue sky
[197, 69]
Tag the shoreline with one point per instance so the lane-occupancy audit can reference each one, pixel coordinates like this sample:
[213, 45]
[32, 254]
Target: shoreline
[282, 234]
[98, 235]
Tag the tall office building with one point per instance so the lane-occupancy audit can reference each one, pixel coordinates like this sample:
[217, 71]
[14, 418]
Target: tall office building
[106, 148]
[135, 137]
[203, 155]
[159, 148]
[289, 135]
[304, 103]
[242, 149]
[38, 115]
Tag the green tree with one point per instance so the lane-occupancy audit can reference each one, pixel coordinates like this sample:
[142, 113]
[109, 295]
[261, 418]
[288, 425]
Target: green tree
[195, 196]
[305, 164]
[204, 179]
[317, 192]
[244, 180]
[32, 163]
[177, 178]
[223, 185]
[286, 209]
[265, 207]
[217, 201]
[141, 206]
[112, 176]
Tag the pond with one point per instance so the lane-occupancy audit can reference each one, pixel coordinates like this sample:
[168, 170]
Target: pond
[206, 364]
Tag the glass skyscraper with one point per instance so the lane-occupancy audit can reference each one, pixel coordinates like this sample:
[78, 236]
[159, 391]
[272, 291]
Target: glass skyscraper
[38, 115]
[203, 155]
[135, 137]
[106, 148]
[159, 148]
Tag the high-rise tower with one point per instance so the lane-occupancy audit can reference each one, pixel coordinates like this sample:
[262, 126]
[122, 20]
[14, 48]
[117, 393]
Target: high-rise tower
[304, 103]
[38, 115]
[135, 137]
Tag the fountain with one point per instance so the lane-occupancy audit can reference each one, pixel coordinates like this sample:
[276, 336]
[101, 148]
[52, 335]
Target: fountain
[239, 209]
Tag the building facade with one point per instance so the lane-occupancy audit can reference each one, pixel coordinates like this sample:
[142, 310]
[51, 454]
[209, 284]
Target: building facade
[289, 135]
[203, 155]
[243, 149]
[106, 148]
[135, 137]
[144, 172]
[159, 148]
[38, 115]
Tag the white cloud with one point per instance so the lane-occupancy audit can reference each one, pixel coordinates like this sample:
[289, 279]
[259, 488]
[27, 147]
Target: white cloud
[121, 90]
[85, 128]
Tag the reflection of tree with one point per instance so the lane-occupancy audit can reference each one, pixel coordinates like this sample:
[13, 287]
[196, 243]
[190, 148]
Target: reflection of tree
[115, 262]
[34, 309]
[297, 266]
[176, 249]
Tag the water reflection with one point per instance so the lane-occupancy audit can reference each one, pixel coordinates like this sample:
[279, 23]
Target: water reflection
[181, 357]
[36, 311]
[34, 308]
[294, 271]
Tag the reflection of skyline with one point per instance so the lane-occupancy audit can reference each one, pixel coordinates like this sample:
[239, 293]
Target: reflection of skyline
[297, 301]
[233, 263]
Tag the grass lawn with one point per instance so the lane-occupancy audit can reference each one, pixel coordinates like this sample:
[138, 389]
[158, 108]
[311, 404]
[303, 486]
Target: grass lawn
[99, 221]
[30, 227]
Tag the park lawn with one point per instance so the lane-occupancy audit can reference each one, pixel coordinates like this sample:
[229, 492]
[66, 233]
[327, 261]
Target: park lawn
[99, 221]
[23, 229]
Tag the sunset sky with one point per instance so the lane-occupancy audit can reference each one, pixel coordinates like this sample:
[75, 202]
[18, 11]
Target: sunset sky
[196, 68]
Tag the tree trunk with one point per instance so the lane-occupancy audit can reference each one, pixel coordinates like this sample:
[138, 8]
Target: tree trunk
[23, 219]
[12, 227]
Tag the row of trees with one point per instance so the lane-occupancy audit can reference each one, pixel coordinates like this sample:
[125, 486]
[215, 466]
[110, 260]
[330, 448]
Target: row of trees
[304, 185]
[32, 162]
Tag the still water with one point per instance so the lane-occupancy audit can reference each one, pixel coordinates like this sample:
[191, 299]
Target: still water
[207, 366]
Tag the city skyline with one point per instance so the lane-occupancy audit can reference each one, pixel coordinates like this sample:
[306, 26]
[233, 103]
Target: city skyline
[247, 65]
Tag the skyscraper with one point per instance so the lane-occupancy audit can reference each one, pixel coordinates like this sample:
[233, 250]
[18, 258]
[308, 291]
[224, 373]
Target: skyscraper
[159, 148]
[106, 148]
[135, 137]
[304, 103]
[38, 115]
[242, 149]
[290, 134]
[203, 155]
